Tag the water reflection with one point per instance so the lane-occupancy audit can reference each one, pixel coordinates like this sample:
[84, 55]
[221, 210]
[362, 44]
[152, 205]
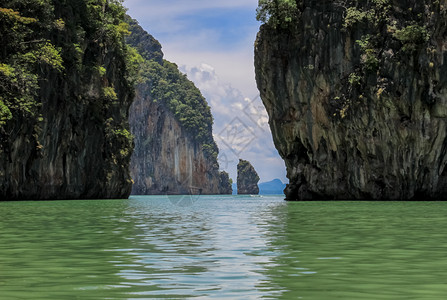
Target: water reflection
[222, 247]
[359, 250]
[209, 250]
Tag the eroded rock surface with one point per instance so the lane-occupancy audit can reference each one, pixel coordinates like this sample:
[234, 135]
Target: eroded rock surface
[247, 178]
[67, 137]
[166, 158]
[356, 92]
[175, 152]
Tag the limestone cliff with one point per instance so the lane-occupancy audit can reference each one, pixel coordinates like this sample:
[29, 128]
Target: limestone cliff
[174, 148]
[247, 179]
[356, 92]
[65, 91]
[225, 183]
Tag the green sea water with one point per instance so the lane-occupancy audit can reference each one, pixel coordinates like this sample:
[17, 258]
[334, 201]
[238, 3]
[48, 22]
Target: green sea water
[222, 247]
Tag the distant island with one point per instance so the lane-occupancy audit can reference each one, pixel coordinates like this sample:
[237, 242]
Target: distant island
[273, 187]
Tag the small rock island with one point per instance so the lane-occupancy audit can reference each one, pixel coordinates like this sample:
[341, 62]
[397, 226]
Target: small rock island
[247, 179]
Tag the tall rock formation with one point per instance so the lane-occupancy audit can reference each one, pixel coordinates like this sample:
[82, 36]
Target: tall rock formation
[175, 152]
[247, 179]
[225, 183]
[65, 91]
[356, 92]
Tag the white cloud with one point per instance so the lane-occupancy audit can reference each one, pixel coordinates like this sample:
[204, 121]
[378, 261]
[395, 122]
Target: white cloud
[236, 68]
[228, 47]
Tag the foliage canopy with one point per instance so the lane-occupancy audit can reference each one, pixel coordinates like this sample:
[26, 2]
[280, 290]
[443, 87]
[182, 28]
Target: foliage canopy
[42, 37]
[276, 12]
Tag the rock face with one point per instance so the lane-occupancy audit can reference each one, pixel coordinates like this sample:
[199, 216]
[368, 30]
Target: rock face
[166, 158]
[225, 184]
[356, 93]
[174, 153]
[64, 99]
[247, 179]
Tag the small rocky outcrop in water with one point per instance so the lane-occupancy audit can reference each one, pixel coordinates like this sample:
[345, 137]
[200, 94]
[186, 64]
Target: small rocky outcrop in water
[247, 179]
[65, 91]
[226, 183]
[356, 92]
[175, 152]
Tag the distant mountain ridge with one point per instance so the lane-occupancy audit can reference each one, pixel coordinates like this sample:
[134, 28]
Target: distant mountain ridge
[274, 187]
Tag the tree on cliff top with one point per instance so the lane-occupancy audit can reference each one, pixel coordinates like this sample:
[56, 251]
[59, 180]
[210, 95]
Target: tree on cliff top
[276, 12]
[38, 38]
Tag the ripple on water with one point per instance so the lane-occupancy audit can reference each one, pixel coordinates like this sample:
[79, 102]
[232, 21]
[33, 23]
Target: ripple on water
[222, 247]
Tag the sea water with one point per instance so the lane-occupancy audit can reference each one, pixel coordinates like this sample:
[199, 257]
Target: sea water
[222, 247]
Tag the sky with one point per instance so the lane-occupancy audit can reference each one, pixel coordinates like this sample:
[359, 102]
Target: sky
[212, 42]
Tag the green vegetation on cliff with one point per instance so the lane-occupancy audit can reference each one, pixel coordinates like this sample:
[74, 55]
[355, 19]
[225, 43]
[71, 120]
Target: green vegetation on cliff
[378, 27]
[277, 12]
[174, 152]
[356, 96]
[182, 98]
[22, 52]
[66, 82]
[39, 38]
[171, 88]
[145, 44]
